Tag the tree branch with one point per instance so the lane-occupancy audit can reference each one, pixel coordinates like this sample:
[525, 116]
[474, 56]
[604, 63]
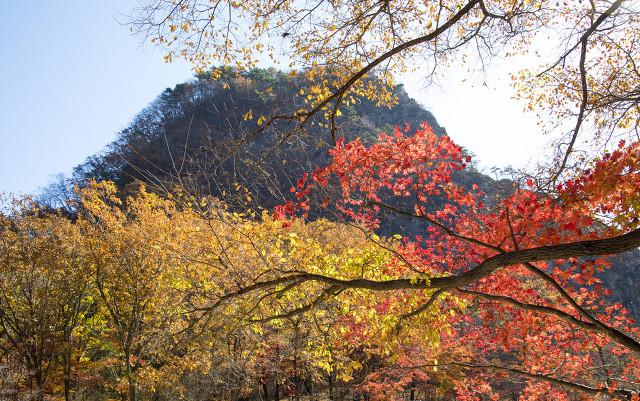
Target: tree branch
[598, 327]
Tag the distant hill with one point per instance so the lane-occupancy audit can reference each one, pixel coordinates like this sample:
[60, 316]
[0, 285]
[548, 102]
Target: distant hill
[194, 136]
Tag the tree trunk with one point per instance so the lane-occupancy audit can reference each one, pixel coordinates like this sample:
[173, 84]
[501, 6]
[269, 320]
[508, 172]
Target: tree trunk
[39, 376]
[132, 387]
[330, 382]
[131, 380]
[67, 374]
[412, 396]
[308, 384]
[276, 394]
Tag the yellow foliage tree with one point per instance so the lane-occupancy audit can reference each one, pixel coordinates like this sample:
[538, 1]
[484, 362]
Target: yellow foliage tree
[44, 289]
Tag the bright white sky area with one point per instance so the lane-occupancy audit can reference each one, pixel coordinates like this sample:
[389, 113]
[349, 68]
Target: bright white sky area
[480, 113]
[72, 76]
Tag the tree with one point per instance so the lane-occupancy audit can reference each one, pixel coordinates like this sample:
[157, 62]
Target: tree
[44, 290]
[145, 290]
[523, 268]
[585, 87]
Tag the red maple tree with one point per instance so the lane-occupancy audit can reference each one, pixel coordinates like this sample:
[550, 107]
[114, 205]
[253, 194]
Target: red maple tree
[524, 264]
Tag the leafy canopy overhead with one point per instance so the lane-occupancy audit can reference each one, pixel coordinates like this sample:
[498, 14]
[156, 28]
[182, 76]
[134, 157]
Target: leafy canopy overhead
[582, 83]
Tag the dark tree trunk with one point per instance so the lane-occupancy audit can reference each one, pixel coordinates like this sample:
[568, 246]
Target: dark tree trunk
[39, 376]
[132, 388]
[67, 374]
[308, 384]
[131, 381]
[276, 393]
[330, 382]
[412, 395]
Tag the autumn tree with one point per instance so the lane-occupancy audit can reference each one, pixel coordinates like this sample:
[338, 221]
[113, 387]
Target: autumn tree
[519, 273]
[145, 289]
[45, 289]
[583, 82]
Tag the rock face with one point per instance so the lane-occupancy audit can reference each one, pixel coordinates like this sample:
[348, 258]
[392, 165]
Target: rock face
[199, 136]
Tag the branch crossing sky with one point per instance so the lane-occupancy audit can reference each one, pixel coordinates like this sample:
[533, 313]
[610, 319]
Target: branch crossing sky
[72, 76]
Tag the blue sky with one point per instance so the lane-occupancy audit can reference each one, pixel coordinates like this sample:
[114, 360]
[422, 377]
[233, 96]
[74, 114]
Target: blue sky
[72, 76]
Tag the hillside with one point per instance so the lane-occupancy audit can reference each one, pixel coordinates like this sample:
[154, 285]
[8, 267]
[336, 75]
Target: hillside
[194, 136]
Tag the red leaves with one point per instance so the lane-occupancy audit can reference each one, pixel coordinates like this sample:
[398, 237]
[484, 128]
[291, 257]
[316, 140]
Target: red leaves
[401, 165]
[411, 175]
[611, 186]
[284, 212]
[530, 182]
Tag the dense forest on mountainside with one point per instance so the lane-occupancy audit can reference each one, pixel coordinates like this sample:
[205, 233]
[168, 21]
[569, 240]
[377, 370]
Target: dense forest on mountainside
[192, 137]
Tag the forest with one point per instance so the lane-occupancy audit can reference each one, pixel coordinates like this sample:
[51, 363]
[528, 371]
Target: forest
[310, 232]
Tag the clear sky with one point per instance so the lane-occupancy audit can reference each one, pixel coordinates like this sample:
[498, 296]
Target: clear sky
[72, 76]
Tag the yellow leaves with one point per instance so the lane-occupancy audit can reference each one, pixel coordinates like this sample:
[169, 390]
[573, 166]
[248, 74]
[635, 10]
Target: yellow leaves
[337, 40]
[248, 115]
[216, 74]
[176, 255]
[257, 329]
[261, 120]
[44, 278]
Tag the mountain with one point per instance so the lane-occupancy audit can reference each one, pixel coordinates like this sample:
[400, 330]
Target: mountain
[197, 137]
